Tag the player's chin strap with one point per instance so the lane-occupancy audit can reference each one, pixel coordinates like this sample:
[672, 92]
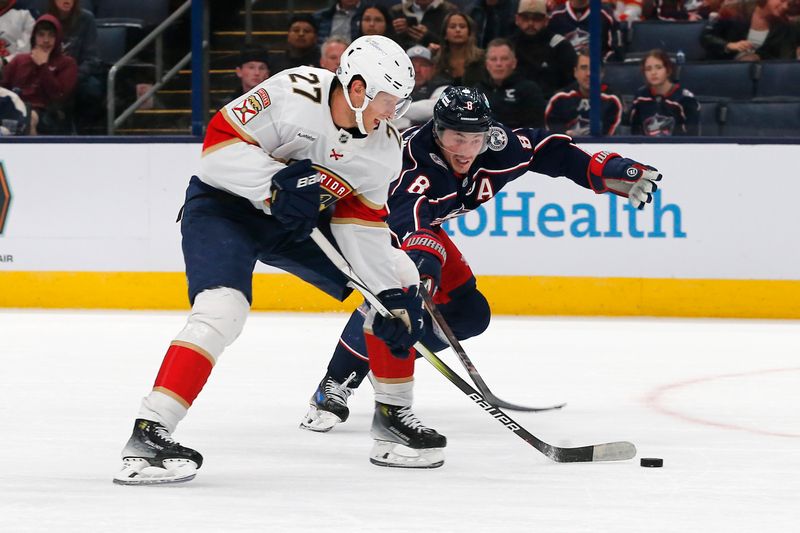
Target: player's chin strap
[359, 111]
[612, 451]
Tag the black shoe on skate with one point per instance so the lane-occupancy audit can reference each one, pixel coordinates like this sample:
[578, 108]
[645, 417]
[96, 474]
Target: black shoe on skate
[402, 441]
[152, 457]
[328, 404]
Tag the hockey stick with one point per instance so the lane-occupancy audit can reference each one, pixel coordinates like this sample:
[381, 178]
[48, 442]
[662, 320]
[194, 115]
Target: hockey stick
[611, 451]
[455, 344]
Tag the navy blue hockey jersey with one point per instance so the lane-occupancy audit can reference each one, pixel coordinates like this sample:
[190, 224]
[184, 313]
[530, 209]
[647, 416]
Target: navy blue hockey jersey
[575, 27]
[675, 113]
[428, 192]
[568, 110]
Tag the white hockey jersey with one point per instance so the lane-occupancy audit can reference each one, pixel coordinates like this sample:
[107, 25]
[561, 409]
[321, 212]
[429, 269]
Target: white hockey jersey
[288, 118]
[16, 26]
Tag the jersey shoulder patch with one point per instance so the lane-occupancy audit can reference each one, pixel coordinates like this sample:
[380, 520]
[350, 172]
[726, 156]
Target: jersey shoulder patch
[252, 104]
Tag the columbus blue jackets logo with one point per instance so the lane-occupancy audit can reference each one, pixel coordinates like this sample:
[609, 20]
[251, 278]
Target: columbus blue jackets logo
[658, 126]
[579, 39]
[5, 197]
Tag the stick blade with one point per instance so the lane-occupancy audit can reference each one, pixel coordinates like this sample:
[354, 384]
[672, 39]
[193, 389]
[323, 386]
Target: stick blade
[610, 451]
[614, 451]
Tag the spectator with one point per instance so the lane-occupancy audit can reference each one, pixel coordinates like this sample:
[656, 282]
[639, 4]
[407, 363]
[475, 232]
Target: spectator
[13, 113]
[671, 10]
[514, 100]
[374, 19]
[425, 78]
[338, 20]
[302, 49]
[16, 26]
[427, 88]
[252, 68]
[332, 50]
[459, 60]
[568, 111]
[45, 78]
[544, 56]
[493, 19]
[751, 31]
[80, 43]
[709, 9]
[628, 11]
[661, 107]
[79, 31]
[420, 21]
[572, 21]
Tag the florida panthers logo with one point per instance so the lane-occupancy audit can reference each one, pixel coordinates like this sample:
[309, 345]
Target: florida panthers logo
[251, 106]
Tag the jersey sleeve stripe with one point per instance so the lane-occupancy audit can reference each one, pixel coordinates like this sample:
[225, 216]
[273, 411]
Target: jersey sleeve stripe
[353, 208]
[222, 130]
[359, 222]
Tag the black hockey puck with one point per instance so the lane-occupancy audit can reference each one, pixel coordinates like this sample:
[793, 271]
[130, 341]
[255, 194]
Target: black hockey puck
[651, 462]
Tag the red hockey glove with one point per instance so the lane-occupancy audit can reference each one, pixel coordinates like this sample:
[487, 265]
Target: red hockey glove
[610, 172]
[428, 253]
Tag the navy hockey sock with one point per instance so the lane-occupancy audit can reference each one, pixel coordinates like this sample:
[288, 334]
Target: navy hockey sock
[350, 354]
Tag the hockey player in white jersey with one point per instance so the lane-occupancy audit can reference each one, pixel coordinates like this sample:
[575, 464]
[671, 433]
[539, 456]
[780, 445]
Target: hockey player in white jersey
[304, 149]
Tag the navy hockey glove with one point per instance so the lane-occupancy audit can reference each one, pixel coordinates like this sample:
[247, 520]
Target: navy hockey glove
[610, 172]
[427, 251]
[401, 332]
[295, 197]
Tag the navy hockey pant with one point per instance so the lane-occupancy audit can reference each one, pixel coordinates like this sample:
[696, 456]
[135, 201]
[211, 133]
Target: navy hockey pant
[224, 235]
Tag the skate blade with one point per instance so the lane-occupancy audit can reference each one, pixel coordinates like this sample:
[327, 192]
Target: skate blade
[394, 455]
[138, 471]
[319, 421]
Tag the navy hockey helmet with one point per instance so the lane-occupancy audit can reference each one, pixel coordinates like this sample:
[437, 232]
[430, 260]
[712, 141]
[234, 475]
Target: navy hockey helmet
[462, 109]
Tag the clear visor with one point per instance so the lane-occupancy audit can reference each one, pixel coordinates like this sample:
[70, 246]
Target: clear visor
[387, 105]
[463, 144]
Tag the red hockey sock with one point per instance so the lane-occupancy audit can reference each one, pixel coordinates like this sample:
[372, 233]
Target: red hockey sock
[385, 365]
[183, 373]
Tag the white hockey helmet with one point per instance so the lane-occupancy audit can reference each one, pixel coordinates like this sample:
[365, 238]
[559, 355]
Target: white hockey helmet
[383, 65]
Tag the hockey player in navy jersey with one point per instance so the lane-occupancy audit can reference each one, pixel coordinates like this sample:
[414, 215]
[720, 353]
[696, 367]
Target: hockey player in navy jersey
[451, 165]
[303, 140]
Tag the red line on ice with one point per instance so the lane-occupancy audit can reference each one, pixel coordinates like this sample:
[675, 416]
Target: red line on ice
[653, 400]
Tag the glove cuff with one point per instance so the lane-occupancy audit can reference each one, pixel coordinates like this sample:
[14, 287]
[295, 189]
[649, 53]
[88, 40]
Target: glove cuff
[427, 241]
[596, 167]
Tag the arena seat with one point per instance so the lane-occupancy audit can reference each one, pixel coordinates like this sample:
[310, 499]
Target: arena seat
[111, 43]
[754, 118]
[727, 79]
[710, 109]
[148, 13]
[668, 36]
[778, 78]
[623, 78]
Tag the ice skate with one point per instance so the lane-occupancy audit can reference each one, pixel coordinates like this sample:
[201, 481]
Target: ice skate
[152, 457]
[402, 441]
[328, 405]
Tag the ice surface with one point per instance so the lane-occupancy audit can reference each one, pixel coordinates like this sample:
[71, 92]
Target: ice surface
[718, 400]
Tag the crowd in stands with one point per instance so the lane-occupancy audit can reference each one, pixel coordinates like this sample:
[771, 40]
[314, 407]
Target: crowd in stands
[530, 57]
